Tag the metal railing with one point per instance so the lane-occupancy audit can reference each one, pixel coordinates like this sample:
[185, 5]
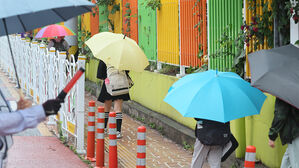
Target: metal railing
[42, 75]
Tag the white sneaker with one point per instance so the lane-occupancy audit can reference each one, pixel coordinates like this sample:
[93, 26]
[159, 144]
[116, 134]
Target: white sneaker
[118, 135]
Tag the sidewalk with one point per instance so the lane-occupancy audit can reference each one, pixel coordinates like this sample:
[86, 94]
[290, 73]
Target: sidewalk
[37, 148]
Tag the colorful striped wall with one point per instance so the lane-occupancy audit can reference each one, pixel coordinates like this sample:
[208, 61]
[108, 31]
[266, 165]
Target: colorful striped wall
[193, 31]
[130, 23]
[168, 32]
[147, 30]
[221, 14]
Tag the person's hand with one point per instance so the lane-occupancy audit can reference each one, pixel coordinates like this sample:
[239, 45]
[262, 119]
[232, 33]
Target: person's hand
[23, 103]
[52, 106]
[271, 143]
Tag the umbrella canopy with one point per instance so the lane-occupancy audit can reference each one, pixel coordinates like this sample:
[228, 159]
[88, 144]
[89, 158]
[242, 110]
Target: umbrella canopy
[118, 50]
[276, 71]
[21, 16]
[54, 30]
[217, 96]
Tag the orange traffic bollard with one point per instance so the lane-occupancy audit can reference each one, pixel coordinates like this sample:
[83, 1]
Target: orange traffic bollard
[141, 147]
[91, 132]
[100, 151]
[250, 157]
[112, 141]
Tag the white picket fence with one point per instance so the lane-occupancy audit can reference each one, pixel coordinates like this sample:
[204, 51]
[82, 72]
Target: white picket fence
[42, 75]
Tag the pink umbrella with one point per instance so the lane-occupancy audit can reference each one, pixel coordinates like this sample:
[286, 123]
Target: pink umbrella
[54, 30]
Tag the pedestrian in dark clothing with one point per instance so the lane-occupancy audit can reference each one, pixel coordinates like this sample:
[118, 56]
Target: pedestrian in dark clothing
[214, 143]
[107, 99]
[286, 124]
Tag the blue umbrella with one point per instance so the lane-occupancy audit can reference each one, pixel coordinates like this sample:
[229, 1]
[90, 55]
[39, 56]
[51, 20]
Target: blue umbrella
[217, 96]
[17, 16]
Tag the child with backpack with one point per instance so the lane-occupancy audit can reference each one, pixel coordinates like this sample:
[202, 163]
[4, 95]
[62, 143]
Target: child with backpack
[113, 78]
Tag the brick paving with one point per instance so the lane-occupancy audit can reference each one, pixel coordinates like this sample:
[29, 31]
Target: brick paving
[160, 151]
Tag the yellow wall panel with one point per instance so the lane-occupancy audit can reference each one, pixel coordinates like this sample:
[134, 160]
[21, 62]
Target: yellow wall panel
[85, 22]
[116, 18]
[168, 32]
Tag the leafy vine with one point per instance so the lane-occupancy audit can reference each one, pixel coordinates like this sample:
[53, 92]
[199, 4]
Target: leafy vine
[152, 4]
[293, 10]
[260, 29]
[128, 19]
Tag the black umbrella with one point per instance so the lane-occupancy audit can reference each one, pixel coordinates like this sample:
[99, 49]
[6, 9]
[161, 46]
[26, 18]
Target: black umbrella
[276, 71]
[17, 16]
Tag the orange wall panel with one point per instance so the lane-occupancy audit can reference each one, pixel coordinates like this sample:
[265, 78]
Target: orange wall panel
[130, 24]
[94, 20]
[192, 13]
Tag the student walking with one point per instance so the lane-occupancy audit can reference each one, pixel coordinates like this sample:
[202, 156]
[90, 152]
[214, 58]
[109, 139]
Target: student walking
[107, 99]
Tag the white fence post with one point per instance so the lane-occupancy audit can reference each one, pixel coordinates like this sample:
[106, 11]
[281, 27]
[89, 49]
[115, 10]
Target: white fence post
[42, 57]
[61, 79]
[80, 107]
[50, 82]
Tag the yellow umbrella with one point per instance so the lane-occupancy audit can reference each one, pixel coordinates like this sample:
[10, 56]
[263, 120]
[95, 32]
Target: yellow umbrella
[118, 50]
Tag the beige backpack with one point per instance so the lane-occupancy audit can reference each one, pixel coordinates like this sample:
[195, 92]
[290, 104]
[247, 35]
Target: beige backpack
[117, 82]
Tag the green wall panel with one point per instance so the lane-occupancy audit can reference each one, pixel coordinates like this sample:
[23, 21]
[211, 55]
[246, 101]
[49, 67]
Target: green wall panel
[103, 17]
[147, 30]
[221, 14]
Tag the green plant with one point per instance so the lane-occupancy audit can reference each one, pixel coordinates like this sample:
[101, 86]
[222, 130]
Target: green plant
[261, 27]
[152, 4]
[152, 125]
[83, 36]
[152, 66]
[128, 19]
[160, 128]
[227, 42]
[198, 27]
[142, 119]
[191, 69]
[187, 146]
[293, 10]
[169, 69]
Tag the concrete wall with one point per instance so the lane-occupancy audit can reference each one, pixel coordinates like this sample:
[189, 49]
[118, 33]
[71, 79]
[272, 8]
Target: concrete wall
[150, 89]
